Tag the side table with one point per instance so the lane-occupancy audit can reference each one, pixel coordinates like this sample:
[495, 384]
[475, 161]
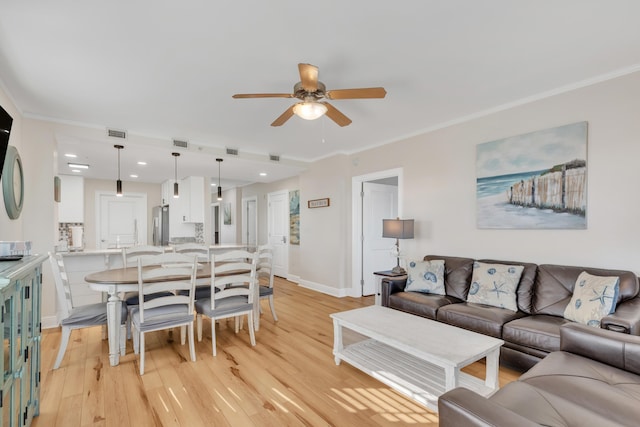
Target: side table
[379, 275]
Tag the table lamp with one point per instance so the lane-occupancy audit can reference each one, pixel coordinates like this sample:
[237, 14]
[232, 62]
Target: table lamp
[397, 229]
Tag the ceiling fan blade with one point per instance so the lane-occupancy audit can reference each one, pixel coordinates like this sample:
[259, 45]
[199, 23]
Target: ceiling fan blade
[368, 92]
[262, 95]
[283, 117]
[334, 114]
[308, 77]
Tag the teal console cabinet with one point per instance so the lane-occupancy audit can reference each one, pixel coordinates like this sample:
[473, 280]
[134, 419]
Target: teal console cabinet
[20, 290]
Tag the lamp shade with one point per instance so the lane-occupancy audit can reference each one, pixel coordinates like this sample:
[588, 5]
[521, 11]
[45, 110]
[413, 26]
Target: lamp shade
[397, 228]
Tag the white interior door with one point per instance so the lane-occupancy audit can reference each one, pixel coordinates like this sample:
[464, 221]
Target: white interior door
[379, 202]
[250, 221]
[122, 221]
[278, 230]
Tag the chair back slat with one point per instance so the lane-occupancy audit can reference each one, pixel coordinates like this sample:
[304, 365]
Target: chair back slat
[131, 255]
[202, 251]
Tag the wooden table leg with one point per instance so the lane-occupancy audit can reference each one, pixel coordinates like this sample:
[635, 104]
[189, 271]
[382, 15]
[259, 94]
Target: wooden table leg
[337, 340]
[114, 318]
[491, 378]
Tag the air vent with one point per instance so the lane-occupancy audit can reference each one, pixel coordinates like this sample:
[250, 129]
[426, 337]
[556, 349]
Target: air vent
[181, 144]
[117, 133]
[232, 151]
[274, 157]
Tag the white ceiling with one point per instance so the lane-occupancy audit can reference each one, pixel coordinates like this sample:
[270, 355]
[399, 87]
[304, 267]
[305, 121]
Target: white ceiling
[165, 70]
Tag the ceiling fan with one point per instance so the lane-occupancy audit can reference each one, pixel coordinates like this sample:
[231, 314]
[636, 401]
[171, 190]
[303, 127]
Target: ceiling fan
[309, 91]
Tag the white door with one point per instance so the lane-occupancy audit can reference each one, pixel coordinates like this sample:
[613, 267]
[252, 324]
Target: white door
[278, 230]
[250, 221]
[122, 221]
[379, 202]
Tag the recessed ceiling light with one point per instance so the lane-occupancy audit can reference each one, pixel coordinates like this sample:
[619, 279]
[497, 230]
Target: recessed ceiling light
[141, 163]
[263, 174]
[213, 184]
[78, 165]
[73, 156]
[75, 170]
[133, 175]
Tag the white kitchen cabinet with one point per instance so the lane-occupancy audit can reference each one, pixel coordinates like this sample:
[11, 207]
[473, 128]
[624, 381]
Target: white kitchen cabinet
[71, 206]
[167, 192]
[192, 195]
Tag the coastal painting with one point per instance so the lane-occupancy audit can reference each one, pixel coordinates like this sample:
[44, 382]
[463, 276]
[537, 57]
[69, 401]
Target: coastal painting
[534, 181]
[294, 217]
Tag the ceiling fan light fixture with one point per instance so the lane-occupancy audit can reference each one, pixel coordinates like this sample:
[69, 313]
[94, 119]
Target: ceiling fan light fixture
[309, 110]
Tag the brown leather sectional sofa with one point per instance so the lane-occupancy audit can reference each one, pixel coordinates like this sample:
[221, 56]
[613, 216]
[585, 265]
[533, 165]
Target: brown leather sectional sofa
[594, 380]
[530, 333]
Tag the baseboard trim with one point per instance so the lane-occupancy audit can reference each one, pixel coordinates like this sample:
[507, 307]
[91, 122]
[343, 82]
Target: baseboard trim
[335, 292]
[49, 322]
[293, 278]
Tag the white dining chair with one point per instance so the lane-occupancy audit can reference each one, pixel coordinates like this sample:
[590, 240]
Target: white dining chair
[227, 299]
[172, 274]
[77, 317]
[265, 277]
[130, 257]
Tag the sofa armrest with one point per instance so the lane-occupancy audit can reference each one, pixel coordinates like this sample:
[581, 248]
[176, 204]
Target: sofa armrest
[612, 348]
[626, 319]
[391, 286]
[463, 407]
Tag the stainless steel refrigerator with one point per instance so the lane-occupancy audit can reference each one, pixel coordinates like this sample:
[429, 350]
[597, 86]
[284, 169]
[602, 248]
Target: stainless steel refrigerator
[160, 220]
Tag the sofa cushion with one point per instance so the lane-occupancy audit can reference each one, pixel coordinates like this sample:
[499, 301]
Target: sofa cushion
[554, 284]
[425, 276]
[593, 386]
[420, 304]
[457, 274]
[525, 287]
[480, 318]
[495, 285]
[593, 298]
[541, 332]
[547, 409]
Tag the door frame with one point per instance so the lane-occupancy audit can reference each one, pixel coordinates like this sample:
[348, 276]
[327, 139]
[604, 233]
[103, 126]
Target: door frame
[356, 221]
[245, 219]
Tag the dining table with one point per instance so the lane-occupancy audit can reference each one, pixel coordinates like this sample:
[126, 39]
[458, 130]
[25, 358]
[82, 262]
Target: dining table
[120, 280]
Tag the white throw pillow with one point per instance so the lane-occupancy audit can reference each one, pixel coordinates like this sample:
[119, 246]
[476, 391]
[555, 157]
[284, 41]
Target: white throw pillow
[426, 276]
[593, 298]
[495, 285]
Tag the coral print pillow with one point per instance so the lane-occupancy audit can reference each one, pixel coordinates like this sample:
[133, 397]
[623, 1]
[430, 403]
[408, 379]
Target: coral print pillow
[593, 298]
[426, 276]
[495, 285]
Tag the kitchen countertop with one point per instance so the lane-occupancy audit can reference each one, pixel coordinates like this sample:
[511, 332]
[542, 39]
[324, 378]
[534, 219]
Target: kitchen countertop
[90, 252]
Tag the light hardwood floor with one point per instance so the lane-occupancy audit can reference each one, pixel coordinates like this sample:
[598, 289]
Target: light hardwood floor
[288, 379]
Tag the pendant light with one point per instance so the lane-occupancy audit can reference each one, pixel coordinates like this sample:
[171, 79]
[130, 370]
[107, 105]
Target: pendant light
[219, 187]
[119, 182]
[175, 183]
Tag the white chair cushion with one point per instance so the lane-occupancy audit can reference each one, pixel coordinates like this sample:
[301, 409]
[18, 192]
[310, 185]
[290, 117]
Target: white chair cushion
[162, 317]
[224, 306]
[91, 314]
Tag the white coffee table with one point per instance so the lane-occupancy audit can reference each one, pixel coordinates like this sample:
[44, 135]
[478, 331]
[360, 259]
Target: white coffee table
[418, 357]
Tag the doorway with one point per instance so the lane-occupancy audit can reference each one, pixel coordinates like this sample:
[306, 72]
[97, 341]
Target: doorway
[278, 230]
[374, 196]
[250, 220]
[122, 221]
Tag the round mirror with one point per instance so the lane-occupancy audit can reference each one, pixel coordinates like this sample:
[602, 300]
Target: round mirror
[13, 183]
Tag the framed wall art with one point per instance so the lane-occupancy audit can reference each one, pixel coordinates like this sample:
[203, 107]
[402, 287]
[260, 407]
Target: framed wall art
[534, 181]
